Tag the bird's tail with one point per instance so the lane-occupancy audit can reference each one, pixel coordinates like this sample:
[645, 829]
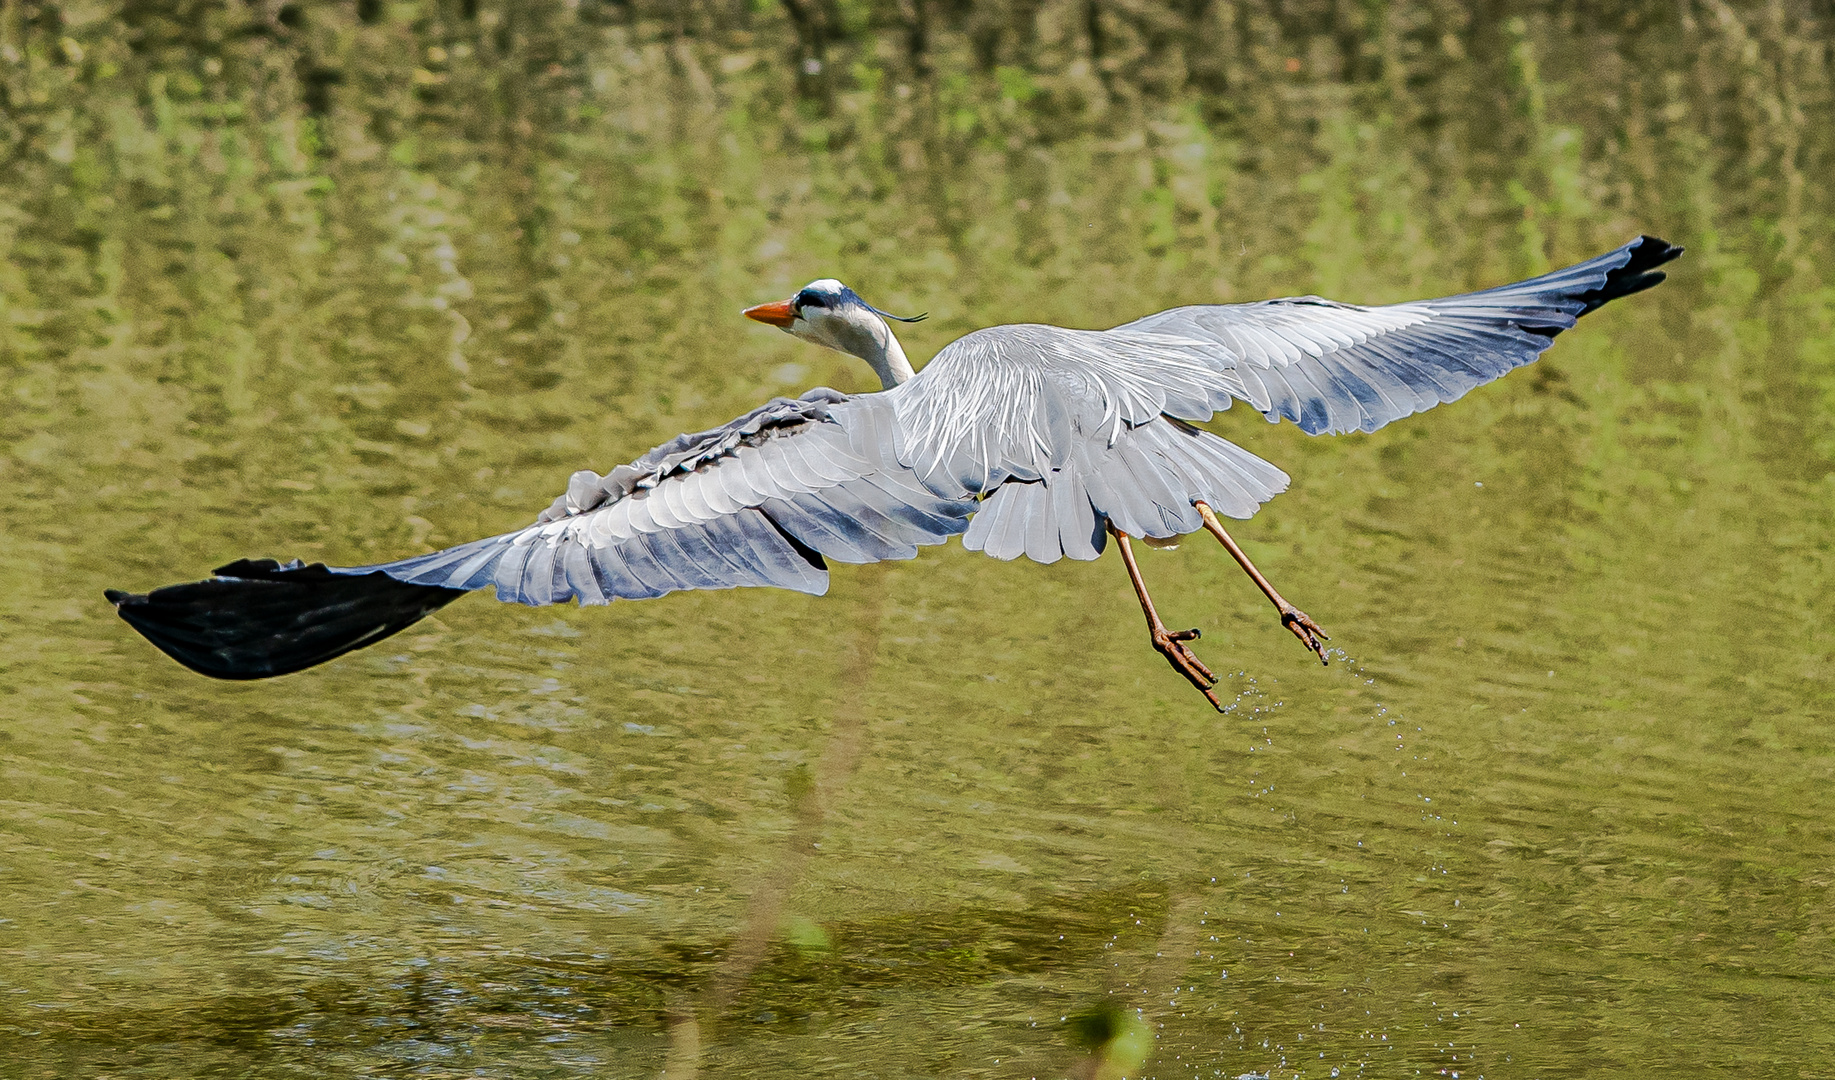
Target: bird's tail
[258, 618]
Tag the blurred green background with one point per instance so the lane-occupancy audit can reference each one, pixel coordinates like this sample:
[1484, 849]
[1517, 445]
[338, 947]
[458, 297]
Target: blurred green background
[353, 280]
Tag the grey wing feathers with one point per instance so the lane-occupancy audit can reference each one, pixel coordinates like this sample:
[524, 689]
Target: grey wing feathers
[761, 501]
[1333, 367]
[1057, 429]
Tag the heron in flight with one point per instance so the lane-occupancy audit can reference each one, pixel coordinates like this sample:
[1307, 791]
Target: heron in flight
[1026, 440]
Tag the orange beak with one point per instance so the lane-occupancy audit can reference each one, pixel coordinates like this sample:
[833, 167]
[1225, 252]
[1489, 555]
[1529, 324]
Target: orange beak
[780, 314]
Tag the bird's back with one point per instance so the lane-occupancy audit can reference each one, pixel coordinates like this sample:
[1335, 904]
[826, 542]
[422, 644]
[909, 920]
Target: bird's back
[1018, 401]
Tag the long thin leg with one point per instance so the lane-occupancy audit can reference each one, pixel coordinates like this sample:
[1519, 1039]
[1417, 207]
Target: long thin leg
[1171, 644]
[1291, 617]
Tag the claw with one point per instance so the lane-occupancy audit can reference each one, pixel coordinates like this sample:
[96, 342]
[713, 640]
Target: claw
[1172, 646]
[1169, 643]
[1306, 630]
[1291, 617]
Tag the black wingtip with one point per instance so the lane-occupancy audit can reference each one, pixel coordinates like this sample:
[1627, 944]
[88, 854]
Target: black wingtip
[259, 618]
[1638, 273]
[267, 569]
[1660, 250]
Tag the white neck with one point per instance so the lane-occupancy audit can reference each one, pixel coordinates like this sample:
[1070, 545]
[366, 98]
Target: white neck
[857, 331]
[888, 360]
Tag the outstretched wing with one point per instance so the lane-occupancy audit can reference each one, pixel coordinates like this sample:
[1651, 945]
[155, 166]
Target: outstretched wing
[1332, 367]
[761, 501]
[1061, 429]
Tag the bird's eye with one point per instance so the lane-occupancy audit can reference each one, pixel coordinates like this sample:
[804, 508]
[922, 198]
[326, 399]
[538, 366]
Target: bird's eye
[809, 299]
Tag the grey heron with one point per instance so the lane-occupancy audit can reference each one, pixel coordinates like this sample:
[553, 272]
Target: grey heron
[1026, 440]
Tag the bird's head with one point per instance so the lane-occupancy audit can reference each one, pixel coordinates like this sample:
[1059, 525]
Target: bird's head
[834, 316]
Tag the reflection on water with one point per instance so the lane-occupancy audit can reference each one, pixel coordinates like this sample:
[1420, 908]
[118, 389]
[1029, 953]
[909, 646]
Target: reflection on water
[347, 284]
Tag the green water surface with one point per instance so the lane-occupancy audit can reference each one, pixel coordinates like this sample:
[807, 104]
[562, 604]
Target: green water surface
[356, 281]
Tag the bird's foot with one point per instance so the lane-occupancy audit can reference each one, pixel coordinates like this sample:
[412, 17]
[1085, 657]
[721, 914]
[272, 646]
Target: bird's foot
[1305, 629]
[1171, 645]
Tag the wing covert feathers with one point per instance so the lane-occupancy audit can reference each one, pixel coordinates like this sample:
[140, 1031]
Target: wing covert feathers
[763, 501]
[1332, 367]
